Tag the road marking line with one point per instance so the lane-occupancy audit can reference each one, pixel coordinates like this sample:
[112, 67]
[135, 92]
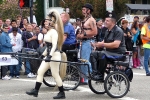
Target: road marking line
[127, 98]
[139, 74]
[26, 80]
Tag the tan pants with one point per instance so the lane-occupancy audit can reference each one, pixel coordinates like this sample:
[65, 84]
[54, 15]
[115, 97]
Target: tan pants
[54, 66]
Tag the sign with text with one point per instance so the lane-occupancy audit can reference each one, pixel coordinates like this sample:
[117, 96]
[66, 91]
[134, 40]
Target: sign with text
[109, 5]
[7, 60]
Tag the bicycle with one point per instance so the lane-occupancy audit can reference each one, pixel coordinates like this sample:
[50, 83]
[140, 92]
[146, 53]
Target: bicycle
[114, 80]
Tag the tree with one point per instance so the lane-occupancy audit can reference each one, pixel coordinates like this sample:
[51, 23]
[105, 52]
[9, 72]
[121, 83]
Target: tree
[99, 7]
[39, 13]
[10, 9]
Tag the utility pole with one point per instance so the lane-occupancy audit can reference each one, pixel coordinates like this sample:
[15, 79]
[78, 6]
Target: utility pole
[31, 11]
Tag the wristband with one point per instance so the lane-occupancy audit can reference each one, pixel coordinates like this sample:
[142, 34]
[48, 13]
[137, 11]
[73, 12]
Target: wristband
[84, 33]
[102, 45]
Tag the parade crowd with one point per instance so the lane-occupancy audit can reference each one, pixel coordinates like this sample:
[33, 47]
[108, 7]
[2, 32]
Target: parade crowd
[18, 34]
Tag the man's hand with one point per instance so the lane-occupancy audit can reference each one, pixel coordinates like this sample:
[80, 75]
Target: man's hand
[14, 44]
[34, 37]
[48, 58]
[125, 34]
[97, 44]
[129, 34]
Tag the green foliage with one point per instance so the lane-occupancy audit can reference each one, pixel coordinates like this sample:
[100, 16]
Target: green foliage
[39, 13]
[9, 9]
[99, 6]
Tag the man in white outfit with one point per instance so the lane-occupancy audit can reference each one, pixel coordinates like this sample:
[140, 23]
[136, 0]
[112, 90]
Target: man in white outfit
[16, 39]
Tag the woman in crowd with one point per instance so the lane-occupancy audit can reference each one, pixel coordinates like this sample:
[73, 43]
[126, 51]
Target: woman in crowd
[135, 31]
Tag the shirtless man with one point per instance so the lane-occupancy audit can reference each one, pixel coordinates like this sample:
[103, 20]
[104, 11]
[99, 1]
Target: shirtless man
[89, 30]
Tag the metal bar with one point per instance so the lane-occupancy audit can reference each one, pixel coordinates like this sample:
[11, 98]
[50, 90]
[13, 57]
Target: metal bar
[13, 53]
[54, 60]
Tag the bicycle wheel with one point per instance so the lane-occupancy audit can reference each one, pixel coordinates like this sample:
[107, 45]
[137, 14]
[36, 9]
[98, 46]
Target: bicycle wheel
[97, 86]
[48, 79]
[72, 78]
[70, 82]
[116, 84]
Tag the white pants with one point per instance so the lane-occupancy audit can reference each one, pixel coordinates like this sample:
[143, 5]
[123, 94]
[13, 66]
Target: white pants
[54, 66]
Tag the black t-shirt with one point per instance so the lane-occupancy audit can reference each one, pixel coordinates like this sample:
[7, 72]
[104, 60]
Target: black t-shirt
[115, 34]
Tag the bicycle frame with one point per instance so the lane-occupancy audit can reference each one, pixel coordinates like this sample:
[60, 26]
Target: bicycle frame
[15, 55]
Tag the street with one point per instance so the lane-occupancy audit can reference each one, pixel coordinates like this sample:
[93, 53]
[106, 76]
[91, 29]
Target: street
[15, 89]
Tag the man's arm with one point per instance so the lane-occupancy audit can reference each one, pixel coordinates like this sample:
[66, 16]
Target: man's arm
[112, 45]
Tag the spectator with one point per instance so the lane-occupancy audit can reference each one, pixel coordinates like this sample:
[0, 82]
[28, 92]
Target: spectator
[100, 30]
[78, 24]
[34, 25]
[24, 24]
[39, 35]
[136, 18]
[127, 35]
[1, 25]
[145, 35]
[16, 39]
[8, 21]
[128, 38]
[19, 21]
[135, 31]
[29, 41]
[6, 46]
[14, 24]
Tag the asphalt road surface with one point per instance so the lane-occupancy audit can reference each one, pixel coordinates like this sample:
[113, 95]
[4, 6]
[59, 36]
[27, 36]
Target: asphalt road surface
[15, 89]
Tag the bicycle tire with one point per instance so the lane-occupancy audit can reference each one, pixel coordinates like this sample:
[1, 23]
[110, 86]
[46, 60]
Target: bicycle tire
[114, 80]
[70, 82]
[96, 86]
[72, 78]
[48, 79]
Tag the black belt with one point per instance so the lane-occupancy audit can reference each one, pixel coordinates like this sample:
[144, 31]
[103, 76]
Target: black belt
[84, 39]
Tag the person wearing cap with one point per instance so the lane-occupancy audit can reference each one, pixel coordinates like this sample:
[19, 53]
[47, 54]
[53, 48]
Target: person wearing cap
[89, 30]
[114, 45]
[6, 46]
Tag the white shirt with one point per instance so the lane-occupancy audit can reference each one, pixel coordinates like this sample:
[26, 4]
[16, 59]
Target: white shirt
[40, 37]
[16, 40]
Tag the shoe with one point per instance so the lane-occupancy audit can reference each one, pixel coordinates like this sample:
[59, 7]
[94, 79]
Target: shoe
[6, 78]
[147, 74]
[33, 92]
[98, 77]
[60, 95]
[31, 75]
[17, 76]
[94, 73]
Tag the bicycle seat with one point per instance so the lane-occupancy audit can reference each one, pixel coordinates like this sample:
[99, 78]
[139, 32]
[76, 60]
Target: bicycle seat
[121, 63]
[128, 53]
[72, 51]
